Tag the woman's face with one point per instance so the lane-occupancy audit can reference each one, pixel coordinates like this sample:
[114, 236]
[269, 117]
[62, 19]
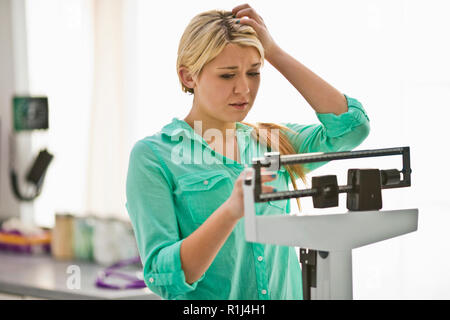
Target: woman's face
[232, 78]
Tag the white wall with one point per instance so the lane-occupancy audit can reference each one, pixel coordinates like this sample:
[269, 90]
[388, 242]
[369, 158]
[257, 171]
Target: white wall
[390, 55]
[60, 49]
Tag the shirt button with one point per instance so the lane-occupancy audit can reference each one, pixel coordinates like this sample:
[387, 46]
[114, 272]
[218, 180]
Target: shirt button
[205, 182]
[260, 258]
[151, 280]
[263, 291]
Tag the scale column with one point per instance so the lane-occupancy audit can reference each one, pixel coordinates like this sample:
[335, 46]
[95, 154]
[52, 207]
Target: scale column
[334, 276]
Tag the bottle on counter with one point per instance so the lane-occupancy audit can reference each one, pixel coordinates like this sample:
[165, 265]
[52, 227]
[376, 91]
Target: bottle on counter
[62, 237]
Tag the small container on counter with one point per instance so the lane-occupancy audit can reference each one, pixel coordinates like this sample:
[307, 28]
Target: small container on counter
[62, 237]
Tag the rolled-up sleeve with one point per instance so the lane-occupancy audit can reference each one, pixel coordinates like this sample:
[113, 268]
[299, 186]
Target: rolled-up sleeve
[152, 213]
[334, 133]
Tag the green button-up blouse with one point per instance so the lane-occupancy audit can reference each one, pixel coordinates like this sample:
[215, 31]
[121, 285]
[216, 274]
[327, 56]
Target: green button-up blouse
[171, 191]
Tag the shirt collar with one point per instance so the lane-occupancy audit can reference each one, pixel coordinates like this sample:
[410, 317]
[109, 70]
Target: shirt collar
[180, 127]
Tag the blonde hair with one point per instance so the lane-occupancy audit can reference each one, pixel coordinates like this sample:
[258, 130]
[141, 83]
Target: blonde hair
[206, 35]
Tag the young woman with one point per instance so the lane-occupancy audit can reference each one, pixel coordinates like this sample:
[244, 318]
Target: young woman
[184, 185]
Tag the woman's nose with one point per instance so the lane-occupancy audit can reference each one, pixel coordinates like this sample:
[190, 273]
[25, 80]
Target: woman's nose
[241, 86]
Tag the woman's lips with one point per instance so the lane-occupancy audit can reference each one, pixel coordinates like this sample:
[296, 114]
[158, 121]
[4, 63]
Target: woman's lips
[239, 106]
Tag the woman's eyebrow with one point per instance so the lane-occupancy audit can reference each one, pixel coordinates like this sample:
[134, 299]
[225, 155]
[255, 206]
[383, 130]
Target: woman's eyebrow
[235, 67]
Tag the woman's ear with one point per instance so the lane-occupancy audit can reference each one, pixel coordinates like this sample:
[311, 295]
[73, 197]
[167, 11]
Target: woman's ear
[186, 77]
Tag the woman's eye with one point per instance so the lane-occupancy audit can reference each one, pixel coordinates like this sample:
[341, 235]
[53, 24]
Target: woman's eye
[229, 76]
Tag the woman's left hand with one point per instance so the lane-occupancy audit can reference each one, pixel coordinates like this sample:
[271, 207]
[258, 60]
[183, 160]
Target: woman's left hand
[257, 23]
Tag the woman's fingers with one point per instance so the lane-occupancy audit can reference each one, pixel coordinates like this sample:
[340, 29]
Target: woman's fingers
[252, 23]
[266, 189]
[250, 13]
[268, 176]
[257, 23]
[239, 7]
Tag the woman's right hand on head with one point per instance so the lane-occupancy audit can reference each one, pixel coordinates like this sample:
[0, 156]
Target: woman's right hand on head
[235, 203]
[254, 20]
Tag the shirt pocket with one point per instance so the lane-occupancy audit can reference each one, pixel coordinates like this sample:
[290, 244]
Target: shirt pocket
[203, 192]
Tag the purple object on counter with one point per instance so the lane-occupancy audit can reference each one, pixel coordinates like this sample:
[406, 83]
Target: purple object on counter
[111, 272]
[23, 248]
